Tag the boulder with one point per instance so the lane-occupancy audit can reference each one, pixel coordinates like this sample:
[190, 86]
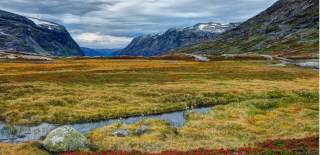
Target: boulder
[121, 133]
[142, 129]
[64, 139]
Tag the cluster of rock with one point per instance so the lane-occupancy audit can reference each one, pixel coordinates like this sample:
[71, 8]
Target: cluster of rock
[22, 55]
[66, 138]
[125, 132]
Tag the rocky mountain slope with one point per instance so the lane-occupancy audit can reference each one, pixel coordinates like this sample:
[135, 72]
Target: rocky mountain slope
[288, 27]
[156, 44]
[19, 33]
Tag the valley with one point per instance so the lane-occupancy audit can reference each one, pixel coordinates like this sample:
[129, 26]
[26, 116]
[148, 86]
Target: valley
[244, 94]
[144, 77]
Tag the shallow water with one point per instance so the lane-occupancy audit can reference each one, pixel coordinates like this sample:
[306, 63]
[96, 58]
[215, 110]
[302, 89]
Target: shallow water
[26, 133]
[307, 63]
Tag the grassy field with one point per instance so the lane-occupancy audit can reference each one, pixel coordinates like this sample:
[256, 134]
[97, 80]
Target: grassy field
[68, 90]
[273, 115]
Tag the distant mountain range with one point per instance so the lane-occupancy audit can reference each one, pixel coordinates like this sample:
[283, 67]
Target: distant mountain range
[25, 34]
[99, 52]
[288, 27]
[156, 44]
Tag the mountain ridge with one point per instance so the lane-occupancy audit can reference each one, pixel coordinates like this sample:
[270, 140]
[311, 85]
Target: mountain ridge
[288, 27]
[27, 34]
[156, 44]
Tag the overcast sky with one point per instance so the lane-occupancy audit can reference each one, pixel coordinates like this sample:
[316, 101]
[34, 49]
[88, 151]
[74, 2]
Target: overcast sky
[113, 23]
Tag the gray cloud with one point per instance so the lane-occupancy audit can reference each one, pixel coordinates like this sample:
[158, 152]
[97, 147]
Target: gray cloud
[116, 21]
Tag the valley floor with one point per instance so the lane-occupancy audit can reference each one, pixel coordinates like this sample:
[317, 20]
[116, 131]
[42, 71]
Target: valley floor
[253, 100]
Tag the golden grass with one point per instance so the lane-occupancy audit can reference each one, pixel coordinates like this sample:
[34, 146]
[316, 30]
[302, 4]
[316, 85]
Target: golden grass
[66, 91]
[29, 148]
[283, 115]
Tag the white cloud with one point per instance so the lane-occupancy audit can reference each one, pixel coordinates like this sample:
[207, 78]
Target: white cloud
[97, 40]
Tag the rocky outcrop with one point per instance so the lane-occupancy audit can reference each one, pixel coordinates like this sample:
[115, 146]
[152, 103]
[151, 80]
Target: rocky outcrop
[65, 139]
[121, 133]
[288, 27]
[19, 33]
[141, 130]
[157, 44]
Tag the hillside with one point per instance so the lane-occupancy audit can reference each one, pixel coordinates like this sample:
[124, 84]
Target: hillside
[287, 28]
[19, 33]
[156, 44]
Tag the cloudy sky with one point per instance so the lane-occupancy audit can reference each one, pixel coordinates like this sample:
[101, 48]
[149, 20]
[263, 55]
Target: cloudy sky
[113, 23]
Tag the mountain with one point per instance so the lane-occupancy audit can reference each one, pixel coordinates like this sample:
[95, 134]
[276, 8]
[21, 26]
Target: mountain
[156, 44]
[288, 27]
[19, 33]
[99, 52]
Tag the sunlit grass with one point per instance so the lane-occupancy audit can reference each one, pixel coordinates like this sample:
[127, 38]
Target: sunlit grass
[270, 115]
[66, 91]
[30, 148]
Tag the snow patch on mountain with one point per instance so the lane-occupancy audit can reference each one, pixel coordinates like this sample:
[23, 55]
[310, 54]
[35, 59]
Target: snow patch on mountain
[45, 24]
[211, 27]
[3, 34]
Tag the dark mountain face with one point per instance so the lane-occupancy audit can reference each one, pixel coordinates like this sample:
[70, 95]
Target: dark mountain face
[19, 33]
[289, 27]
[156, 44]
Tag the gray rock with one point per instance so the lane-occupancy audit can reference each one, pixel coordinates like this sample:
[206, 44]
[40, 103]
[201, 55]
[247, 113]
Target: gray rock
[121, 133]
[199, 58]
[142, 129]
[65, 138]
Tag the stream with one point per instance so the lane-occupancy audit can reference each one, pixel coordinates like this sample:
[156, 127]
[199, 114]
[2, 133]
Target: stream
[306, 63]
[37, 132]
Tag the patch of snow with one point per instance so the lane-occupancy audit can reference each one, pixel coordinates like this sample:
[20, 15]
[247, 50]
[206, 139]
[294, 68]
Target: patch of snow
[201, 27]
[212, 27]
[4, 34]
[41, 22]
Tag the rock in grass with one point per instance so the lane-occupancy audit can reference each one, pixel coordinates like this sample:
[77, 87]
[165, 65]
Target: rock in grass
[141, 130]
[64, 139]
[121, 133]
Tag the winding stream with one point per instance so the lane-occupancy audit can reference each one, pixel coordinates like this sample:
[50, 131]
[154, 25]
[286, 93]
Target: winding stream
[27, 133]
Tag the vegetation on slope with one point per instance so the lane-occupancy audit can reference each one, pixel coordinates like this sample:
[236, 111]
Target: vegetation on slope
[288, 28]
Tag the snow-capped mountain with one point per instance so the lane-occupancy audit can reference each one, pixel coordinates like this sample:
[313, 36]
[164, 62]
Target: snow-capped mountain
[25, 34]
[156, 44]
[287, 28]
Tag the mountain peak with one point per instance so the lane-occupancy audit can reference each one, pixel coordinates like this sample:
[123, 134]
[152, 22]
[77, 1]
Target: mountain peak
[289, 27]
[26, 34]
[155, 44]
